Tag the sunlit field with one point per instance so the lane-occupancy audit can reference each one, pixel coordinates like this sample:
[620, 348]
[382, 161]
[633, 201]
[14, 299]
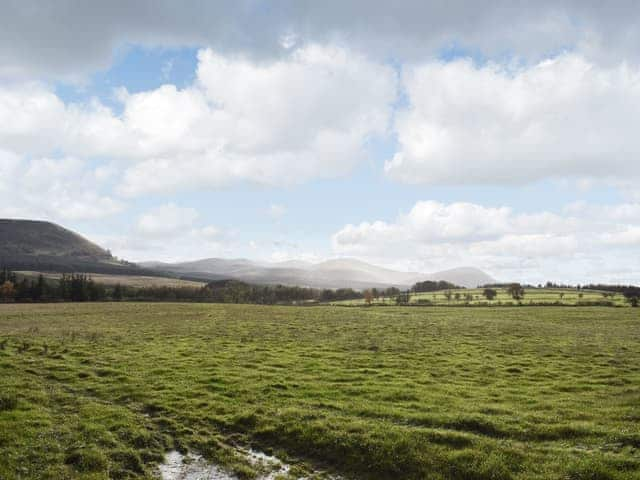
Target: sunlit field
[535, 296]
[97, 391]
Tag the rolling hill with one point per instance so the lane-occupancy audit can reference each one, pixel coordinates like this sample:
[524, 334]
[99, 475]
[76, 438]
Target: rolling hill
[45, 246]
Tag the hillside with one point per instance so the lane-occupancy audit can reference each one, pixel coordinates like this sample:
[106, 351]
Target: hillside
[45, 246]
[335, 273]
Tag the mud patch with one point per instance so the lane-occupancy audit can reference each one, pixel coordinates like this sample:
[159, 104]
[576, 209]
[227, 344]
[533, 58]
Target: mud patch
[189, 467]
[193, 467]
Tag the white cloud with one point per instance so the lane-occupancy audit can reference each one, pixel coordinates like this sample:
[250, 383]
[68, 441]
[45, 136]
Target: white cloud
[36, 122]
[169, 232]
[58, 189]
[628, 236]
[576, 246]
[166, 221]
[280, 122]
[564, 117]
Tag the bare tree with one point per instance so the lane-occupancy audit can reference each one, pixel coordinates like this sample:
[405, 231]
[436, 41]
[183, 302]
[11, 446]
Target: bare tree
[368, 297]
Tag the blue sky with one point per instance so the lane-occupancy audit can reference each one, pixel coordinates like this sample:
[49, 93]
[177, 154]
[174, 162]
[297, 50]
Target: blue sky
[280, 133]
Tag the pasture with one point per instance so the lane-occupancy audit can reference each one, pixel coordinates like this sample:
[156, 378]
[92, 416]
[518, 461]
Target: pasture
[535, 296]
[97, 391]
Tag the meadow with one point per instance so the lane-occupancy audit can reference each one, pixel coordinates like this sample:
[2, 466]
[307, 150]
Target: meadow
[97, 391]
[534, 296]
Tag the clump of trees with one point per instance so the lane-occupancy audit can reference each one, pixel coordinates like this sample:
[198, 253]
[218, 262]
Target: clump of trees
[631, 293]
[516, 291]
[490, 293]
[433, 286]
[403, 298]
[81, 287]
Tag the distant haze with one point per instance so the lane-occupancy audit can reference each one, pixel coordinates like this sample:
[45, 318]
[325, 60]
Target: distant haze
[336, 273]
[45, 246]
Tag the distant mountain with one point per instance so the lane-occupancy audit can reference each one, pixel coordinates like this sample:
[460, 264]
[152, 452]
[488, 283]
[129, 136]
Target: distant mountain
[469, 277]
[337, 273]
[45, 246]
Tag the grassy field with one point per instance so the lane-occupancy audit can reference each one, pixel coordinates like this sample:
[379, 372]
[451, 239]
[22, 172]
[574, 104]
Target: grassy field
[136, 281]
[565, 296]
[96, 391]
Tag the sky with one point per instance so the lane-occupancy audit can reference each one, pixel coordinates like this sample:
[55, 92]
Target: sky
[415, 135]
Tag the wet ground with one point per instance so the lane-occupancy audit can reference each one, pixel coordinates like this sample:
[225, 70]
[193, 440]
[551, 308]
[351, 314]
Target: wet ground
[193, 467]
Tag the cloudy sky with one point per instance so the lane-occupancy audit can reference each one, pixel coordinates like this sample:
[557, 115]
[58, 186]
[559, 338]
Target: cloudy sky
[416, 135]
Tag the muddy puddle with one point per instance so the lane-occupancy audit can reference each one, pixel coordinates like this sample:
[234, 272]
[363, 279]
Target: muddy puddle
[193, 467]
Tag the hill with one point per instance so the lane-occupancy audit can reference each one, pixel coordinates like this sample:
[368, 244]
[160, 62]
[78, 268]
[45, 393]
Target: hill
[45, 246]
[335, 273]
[31, 245]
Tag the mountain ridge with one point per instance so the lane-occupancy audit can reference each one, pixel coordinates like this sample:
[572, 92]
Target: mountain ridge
[332, 273]
[37, 245]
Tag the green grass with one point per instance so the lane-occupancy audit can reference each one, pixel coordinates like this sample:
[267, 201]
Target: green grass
[96, 391]
[550, 296]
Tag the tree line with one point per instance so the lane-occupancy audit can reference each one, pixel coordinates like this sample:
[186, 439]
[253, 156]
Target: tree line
[80, 287]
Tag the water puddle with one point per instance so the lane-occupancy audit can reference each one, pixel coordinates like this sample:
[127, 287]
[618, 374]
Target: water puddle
[193, 467]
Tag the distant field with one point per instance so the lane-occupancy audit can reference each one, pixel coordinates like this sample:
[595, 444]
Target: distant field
[568, 296]
[136, 281]
[97, 391]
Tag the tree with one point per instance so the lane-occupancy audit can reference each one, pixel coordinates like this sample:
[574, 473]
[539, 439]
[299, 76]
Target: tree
[7, 291]
[490, 293]
[39, 289]
[632, 295]
[448, 294]
[457, 296]
[117, 292]
[403, 298]
[368, 297]
[516, 291]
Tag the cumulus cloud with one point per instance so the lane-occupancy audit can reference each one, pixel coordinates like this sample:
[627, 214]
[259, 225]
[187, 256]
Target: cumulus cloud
[59, 189]
[563, 117]
[532, 246]
[280, 122]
